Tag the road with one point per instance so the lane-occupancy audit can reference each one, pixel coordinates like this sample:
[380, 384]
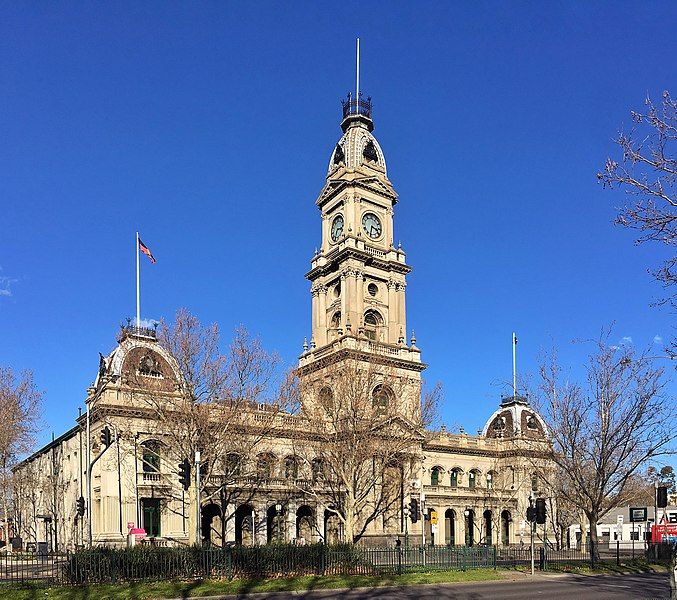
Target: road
[649, 586]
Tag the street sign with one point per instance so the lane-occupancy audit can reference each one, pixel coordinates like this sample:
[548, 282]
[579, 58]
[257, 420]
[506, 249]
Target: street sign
[433, 517]
[638, 515]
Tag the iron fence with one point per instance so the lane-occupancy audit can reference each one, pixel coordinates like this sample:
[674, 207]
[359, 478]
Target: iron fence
[147, 563]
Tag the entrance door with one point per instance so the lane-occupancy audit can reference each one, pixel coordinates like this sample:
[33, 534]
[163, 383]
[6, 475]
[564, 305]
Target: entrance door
[150, 509]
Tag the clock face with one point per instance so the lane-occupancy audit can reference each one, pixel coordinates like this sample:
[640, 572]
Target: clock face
[337, 228]
[372, 225]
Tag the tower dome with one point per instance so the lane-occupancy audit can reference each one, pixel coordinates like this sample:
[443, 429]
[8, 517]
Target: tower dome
[357, 147]
[515, 417]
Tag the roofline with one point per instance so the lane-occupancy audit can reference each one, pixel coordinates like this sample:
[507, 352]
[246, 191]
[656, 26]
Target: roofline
[46, 448]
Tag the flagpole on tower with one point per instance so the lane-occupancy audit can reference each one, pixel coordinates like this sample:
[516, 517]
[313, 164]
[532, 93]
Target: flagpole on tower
[357, 81]
[138, 295]
[514, 365]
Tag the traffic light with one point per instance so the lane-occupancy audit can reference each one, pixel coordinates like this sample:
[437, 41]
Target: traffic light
[413, 510]
[540, 511]
[106, 438]
[662, 496]
[531, 514]
[184, 474]
[80, 504]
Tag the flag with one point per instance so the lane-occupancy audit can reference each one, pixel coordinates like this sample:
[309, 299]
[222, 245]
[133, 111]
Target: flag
[146, 250]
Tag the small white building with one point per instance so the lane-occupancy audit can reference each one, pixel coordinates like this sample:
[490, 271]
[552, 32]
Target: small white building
[617, 525]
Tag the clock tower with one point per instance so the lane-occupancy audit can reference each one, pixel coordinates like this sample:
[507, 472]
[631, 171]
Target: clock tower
[358, 276]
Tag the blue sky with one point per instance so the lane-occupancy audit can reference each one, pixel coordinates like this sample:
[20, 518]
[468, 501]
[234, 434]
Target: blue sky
[208, 127]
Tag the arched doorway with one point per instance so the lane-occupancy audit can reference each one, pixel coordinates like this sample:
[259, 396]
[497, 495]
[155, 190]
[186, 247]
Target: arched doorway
[208, 513]
[244, 525]
[304, 523]
[506, 519]
[275, 524]
[450, 527]
[488, 538]
[332, 527]
[469, 527]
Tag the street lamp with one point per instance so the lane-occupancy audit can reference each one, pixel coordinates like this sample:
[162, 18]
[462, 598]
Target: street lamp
[407, 513]
[278, 510]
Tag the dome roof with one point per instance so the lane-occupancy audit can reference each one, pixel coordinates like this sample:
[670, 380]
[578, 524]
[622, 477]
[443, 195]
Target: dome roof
[515, 417]
[357, 147]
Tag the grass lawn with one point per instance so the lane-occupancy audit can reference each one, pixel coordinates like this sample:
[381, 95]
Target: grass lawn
[157, 590]
[635, 566]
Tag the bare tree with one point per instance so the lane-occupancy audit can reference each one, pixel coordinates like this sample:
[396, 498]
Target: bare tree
[647, 171]
[360, 434]
[222, 406]
[20, 406]
[604, 432]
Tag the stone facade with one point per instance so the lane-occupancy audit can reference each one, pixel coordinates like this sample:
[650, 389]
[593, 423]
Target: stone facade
[477, 488]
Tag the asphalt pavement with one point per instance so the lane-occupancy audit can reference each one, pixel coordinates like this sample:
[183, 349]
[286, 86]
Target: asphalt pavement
[646, 586]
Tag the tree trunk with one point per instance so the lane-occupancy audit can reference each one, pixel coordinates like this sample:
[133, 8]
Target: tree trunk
[594, 543]
[673, 574]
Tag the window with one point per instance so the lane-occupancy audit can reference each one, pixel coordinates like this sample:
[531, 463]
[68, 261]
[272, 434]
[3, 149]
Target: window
[149, 366]
[472, 480]
[490, 481]
[318, 469]
[291, 468]
[151, 456]
[233, 464]
[150, 509]
[435, 476]
[336, 320]
[265, 465]
[326, 398]
[372, 321]
[531, 423]
[454, 478]
[534, 482]
[372, 288]
[382, 397]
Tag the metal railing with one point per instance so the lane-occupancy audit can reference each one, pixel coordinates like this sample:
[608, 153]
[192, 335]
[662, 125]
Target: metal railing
[148, 563]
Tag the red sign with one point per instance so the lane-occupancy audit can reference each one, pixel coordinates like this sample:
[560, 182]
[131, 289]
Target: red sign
[663, 533]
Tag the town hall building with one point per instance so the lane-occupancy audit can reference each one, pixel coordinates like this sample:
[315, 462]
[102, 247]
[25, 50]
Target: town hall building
[466, 489]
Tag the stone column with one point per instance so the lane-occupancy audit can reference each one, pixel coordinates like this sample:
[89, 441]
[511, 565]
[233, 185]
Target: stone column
[344, 303]
[402, 310]
[393, 313]
[321, 332]
[359, 291]
[315, 310]
[441, 527]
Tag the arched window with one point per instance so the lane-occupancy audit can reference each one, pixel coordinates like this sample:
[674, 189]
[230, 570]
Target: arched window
[455, 476]
[382, 397]
[472, 479]
[151, 456]
[326, 398]
[291, 468]
[317, 467]
[233, 464]
[372, 321]
[435, 475]
[336, 320]
[265, 466]
[490, 480]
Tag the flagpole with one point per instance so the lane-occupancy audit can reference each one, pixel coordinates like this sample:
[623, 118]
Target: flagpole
[514, 365]
[357, 78]
[138, 295]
